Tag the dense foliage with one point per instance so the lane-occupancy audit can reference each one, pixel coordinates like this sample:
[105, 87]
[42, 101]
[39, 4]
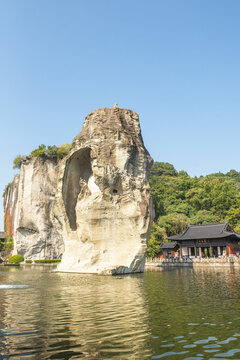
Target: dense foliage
[180, 200]
[15, 259]
[43, 151]
[52, 151]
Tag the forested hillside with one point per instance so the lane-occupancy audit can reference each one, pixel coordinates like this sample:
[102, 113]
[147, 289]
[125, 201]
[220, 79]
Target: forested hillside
[180, 199]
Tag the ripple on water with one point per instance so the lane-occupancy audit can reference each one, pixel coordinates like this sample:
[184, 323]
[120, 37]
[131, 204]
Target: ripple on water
[205, 341]
[169, 353]
[13, 286]
[189, 346]
[167, 345]
[228, 353]
[66, 316]
[227, 341]
[211, 346]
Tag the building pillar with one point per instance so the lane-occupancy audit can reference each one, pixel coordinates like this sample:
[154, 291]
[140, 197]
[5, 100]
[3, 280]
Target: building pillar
[210, 251]
[219, 251]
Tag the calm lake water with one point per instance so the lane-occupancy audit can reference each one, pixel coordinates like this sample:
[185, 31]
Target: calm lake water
[171, 314]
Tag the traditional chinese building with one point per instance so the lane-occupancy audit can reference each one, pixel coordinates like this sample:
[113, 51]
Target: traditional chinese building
[169, 249]
[208, 240]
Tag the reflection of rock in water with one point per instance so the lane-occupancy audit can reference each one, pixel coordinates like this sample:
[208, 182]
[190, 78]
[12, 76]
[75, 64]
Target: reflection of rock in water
[85, 316]
[108, 316]
[103, 199]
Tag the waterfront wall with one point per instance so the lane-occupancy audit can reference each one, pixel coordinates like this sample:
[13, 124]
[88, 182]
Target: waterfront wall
[227, 261]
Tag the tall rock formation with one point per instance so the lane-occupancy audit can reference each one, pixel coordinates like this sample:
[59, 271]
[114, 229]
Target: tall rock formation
[28, 215]
[103, 199]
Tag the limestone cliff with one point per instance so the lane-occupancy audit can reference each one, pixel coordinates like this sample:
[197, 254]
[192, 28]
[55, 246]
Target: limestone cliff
[103, 199]
[28, 205]
[10, 206]
[94, 206]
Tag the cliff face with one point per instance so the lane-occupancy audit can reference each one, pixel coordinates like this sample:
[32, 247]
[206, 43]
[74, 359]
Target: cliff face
[10, 207]
[103, 199]
[28, 206]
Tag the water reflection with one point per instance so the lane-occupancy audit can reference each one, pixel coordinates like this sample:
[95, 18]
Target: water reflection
[195, 308]
[74, 316]
[177, 314]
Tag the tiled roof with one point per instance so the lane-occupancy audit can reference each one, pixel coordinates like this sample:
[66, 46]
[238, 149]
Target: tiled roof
[168, 245]
[209, 231]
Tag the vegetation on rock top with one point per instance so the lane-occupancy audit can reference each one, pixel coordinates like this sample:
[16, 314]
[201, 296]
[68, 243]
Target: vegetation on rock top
[43, 151]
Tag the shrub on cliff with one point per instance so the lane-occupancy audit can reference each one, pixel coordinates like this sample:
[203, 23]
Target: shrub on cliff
[6, 189]
[15, 259]
[17, 162]
[63, 150]
[52, 151]
[40, 151]
[43, 151]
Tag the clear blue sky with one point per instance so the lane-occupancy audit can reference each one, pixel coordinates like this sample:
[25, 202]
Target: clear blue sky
[175, 62]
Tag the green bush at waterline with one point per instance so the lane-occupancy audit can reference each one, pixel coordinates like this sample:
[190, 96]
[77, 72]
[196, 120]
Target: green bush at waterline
[47, 261]
[15, 259]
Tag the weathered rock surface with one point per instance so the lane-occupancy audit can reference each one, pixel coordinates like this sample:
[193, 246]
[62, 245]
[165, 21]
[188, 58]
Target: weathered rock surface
[103, 199]
[28, 205]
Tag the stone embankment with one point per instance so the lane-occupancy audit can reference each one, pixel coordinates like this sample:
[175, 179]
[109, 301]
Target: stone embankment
[228, 261]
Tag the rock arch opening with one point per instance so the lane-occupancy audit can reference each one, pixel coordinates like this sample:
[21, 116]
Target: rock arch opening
[77, 173]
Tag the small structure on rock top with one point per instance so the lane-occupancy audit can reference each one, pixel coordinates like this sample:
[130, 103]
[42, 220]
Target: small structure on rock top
[207, 240]
[103, 199]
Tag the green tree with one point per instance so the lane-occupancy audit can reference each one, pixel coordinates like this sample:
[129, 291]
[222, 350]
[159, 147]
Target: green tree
[63, 150]
[163, 168]
[203, 217]
[173, 223]
[41, 151]
[157, 236]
